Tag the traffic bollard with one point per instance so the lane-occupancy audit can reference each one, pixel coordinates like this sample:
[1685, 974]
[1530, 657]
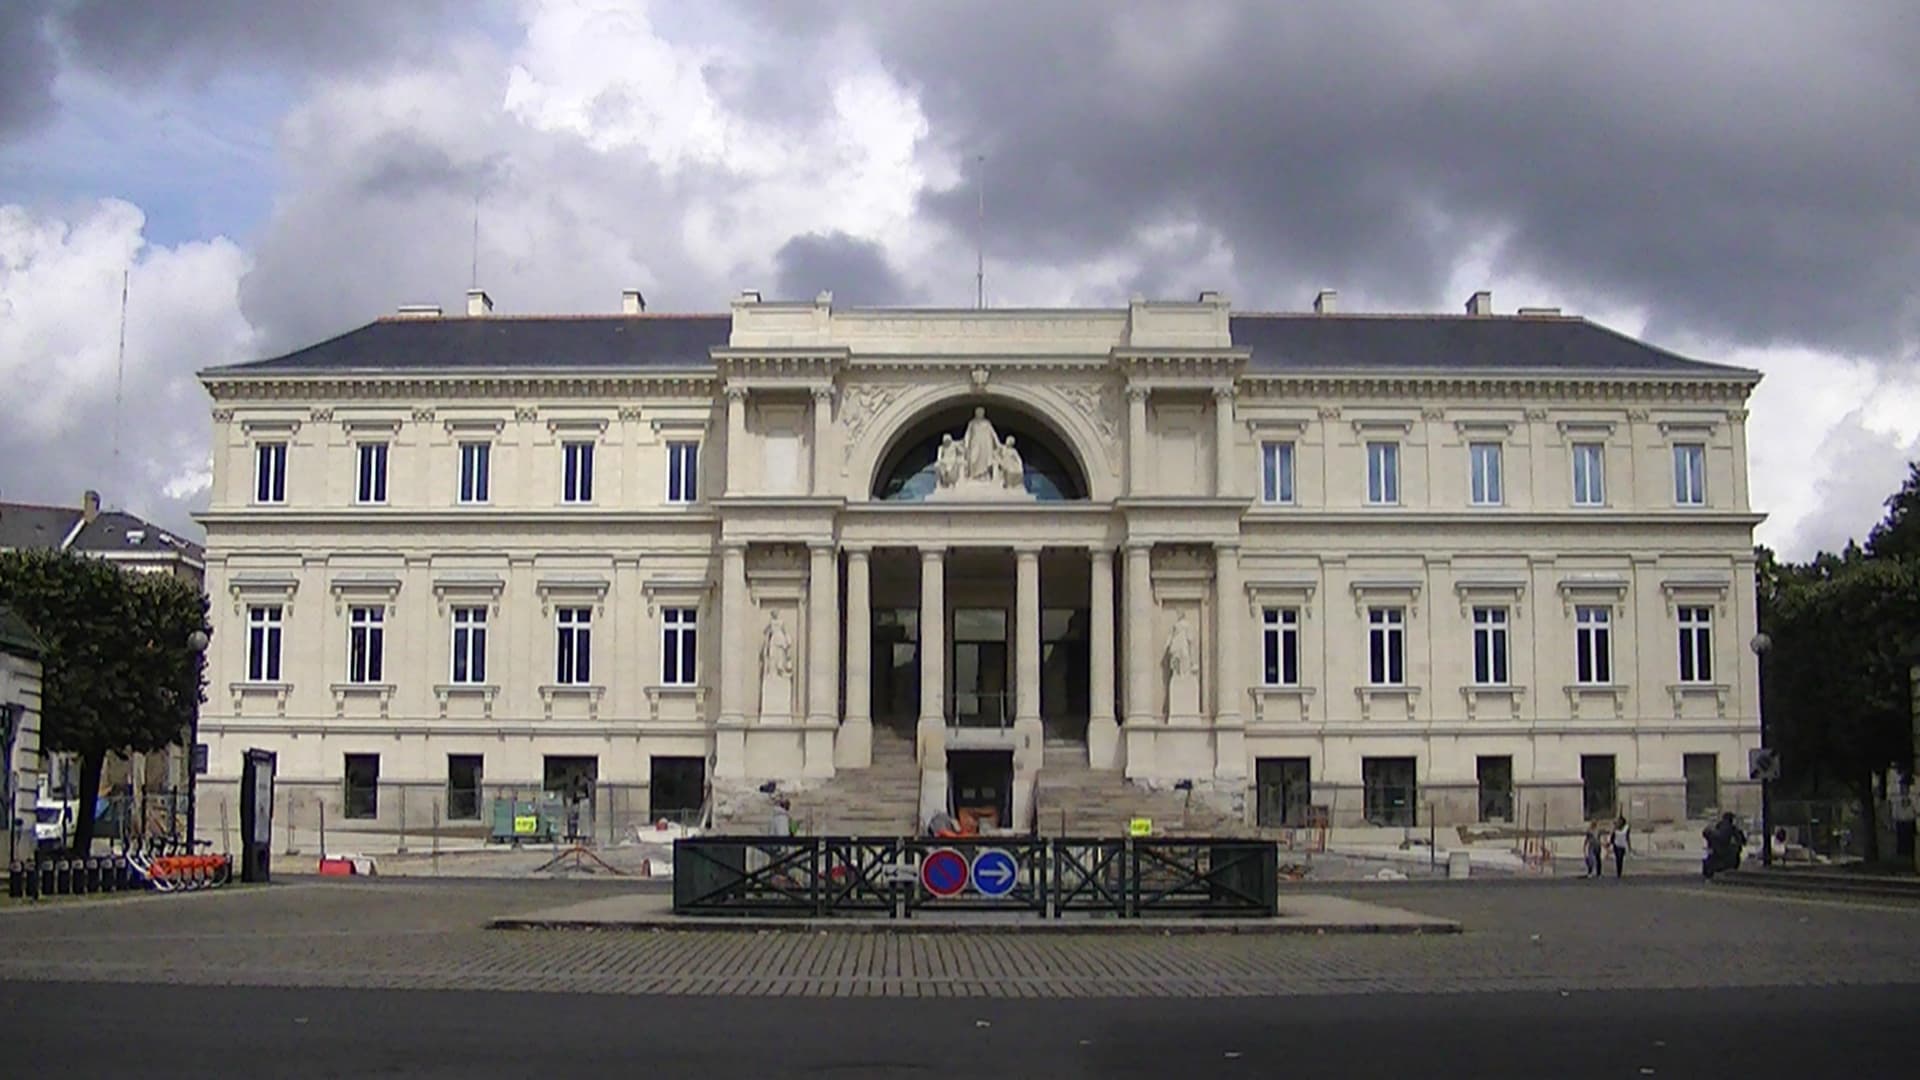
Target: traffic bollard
[121, 872]
[16, 880]
[45, 876]
[62, 877]
[93, 876]
[33, 879]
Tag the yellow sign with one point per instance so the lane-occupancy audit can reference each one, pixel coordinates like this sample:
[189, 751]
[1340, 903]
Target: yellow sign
[525, 823]
[1140, 827]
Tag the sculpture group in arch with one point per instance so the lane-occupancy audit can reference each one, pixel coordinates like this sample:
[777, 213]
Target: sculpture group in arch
[979, 465]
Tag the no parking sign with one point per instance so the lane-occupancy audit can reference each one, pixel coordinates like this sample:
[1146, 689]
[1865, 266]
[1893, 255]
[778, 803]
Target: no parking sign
[944, 872]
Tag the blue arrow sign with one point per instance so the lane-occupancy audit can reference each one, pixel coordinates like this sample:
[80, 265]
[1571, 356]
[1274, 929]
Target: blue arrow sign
[995, 872]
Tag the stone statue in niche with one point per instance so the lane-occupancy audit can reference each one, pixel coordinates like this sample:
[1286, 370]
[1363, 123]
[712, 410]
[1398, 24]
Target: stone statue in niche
[776, 669]
[979, 465]
[1183, 672]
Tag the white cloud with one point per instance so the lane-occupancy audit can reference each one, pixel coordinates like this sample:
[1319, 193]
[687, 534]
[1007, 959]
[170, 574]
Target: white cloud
[60, 286]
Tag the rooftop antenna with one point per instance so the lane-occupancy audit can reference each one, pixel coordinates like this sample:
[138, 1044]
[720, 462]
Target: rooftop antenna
[119, 374]
[473, 278]
[980, 234]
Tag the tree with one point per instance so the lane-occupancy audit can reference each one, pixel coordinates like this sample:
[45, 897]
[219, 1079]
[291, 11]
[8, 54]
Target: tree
[120, 673]
[1898, 535]
[1837, 675]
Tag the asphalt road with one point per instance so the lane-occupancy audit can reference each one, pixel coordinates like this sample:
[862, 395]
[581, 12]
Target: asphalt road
[68, 1029]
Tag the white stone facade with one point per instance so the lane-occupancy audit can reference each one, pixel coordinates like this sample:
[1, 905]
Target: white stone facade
[1134, 588]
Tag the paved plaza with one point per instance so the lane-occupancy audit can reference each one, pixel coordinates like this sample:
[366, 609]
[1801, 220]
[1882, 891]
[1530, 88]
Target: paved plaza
[1649, 933]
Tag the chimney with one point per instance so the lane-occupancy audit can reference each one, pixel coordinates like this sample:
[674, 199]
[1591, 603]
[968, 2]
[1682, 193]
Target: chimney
[419, 311]
[479, 303]
[89, 506]
[632, 302]
[1323, 301]
[1480, 303]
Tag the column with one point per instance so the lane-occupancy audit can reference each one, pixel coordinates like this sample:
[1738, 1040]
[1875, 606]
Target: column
[1103, 734]
[1026, 663]
[854, 747]
[730, 741]
[1223, 441]
[822, 424]
[736, 438]
[823, 657]
[1139, 659]
[931, 732]
[1136, 440]
[1229, 688]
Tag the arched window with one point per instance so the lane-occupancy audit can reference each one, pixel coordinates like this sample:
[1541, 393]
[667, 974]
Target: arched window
[1052, 474]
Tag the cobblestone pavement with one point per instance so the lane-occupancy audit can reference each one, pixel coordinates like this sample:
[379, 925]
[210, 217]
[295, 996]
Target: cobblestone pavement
[1568, 935]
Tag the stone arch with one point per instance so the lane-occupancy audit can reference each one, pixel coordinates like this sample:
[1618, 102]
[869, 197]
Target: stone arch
[903, 418]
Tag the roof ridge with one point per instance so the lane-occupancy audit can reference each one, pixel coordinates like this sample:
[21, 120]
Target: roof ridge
[38, 506]
[589, 316]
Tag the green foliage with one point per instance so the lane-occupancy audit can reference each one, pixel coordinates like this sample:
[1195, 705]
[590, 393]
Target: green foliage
[120, 673]
[1898, 535]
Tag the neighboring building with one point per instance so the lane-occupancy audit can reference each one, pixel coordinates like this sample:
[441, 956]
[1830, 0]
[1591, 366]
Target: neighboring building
[1496, 566]
[20, 653]
[135, 545]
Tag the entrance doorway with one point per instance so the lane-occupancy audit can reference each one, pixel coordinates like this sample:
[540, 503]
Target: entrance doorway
[572, 779]
[895, 683]
[1495, 774]
[676, 789]
[980, 697]
[1285, 790]
[981, 783]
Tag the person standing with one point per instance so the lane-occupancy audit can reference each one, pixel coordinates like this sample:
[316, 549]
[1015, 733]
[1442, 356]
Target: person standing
[1593, 849]
[1621, 843]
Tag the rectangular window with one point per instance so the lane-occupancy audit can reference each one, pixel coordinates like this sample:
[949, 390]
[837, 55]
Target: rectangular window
[1280, 645]
[469, 646]
[1386, 646]
[677, 646]
[270, 472]
[263, 643]
[1690, 474]
[1593, 645]
[1383, 473]
[573, 647]
[1490, 646]
[683, 471]
[1276, 472]
[1696, 644]
[476, 467]
[363, 786]
[1599, 794]
[1485, 460]
[463, 787]
[1589, 474]
[366, 640]
[372, 487]
[576, 482]
[1703, 784]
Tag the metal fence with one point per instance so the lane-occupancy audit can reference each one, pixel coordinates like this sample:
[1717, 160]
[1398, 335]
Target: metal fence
[820, 877]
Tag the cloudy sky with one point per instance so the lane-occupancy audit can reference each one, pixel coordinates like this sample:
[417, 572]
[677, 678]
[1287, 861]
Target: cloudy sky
[1736, 182]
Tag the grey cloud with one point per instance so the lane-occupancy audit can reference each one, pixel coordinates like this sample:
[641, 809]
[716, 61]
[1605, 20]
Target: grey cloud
[27, 67]
[1746, 172]
[190, 38]
[854, 270]
[1864, 467]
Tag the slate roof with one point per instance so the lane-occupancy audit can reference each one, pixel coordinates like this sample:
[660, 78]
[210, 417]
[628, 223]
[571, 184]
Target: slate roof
[17, 637]
[1278, 343]
[1554, 344]
[24, 526]
[449, 343]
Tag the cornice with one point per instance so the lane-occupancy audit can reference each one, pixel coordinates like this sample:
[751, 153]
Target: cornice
[465, 517]
[1261, 514]
[448, 385]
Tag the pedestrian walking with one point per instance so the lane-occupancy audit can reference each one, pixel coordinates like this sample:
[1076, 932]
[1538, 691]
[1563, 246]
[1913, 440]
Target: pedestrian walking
[1621, 844]
[1593, 849]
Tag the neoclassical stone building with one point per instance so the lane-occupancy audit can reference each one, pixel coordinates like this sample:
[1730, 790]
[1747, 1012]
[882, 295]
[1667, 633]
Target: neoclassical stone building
[1474, 566]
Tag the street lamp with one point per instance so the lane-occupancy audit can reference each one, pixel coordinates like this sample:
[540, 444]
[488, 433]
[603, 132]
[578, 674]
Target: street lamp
[197, 641]
[1761, 645]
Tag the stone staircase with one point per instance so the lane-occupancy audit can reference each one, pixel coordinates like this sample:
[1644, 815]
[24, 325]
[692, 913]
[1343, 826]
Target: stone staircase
[1102, 803]
[882, 800]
